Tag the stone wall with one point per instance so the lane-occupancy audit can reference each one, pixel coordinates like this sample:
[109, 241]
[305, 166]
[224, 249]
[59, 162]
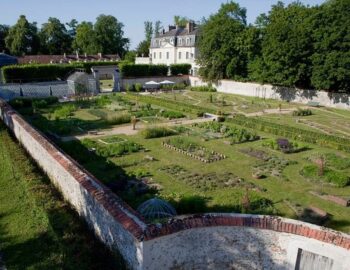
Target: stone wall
[114, 222]
[328, 99]
[224, 241]
[211, 241]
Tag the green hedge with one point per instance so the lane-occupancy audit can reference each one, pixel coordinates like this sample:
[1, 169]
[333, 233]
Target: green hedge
[294, 133]
[157, 132]
[177, 69]
[45, 72]
[19, 103]
[133, 70]
[202, 89]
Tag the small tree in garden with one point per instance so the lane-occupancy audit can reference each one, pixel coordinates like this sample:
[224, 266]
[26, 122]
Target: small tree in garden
[245, 202]
[280, 107]
[138, 87]
[211, 98]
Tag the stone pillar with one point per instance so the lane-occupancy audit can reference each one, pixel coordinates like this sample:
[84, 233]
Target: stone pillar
[116, 80]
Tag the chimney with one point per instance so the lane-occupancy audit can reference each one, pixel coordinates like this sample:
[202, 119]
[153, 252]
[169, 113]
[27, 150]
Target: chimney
[190, 26]
[172, 27]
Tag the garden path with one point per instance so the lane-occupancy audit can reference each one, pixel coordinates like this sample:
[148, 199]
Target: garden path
[128, 129]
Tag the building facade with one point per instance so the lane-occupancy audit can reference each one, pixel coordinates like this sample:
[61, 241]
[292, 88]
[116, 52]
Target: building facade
[176, 46]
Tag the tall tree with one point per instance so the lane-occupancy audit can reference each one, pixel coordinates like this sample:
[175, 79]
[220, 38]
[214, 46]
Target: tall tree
[287, 45]
[4, 29]
[54, 38]
[72, 27]
[221, 46]
[148, 30]
[110, 35]
[331, 34]
[86, 39]
[157, 27]
[180, 21]
[22, 37]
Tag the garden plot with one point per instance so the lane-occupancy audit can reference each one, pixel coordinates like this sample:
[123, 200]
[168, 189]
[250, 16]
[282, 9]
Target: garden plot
[192, 149]
[112, 140]
[208, 181]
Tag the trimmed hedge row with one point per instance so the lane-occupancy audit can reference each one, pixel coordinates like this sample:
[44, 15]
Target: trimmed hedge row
[45, 72]
[171, 104]
[133, 70]
[177, 69]
[295, 133]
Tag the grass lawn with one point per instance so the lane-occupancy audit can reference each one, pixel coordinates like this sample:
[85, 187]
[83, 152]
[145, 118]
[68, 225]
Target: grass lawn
[38, 230]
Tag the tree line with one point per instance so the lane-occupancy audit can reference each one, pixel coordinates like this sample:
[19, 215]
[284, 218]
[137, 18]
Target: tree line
[105, 36]
[293, 45]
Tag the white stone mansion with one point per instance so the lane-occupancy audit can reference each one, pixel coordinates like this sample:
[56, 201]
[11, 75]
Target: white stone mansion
[176, 46]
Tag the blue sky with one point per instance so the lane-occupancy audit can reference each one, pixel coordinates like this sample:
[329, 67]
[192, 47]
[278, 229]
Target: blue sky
[131, 12]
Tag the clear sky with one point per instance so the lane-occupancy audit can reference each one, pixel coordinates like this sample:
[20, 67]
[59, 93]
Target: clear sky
[130, 12]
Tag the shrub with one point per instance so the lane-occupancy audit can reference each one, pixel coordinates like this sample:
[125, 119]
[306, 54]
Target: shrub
[177, 69]
[64, 111]
[133, 70]
[138, 87]
[19, 103]
[202, 88]
[302, 112]
[118, 120]
[157, 132]
[172, 114]
[336, 178]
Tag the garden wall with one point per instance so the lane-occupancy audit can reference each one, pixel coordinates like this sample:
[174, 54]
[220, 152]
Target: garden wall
[114, 222]
[41, 89]
[334, 100]
[211, 241]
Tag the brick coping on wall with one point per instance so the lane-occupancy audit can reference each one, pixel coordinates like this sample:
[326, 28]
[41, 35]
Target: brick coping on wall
[135, 224]
[271, 223]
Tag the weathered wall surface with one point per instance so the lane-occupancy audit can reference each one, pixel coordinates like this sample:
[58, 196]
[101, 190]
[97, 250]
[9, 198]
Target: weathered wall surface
[224, 241]
[142, 80]
[114, 222]
[42, 89]
[335, 100]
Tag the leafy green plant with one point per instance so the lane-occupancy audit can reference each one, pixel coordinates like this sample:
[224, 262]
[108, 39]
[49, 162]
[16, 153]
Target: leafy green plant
[202, 88]
[157, 132]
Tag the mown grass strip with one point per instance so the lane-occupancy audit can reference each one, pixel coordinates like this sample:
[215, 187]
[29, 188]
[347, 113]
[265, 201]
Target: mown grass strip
[38, 230]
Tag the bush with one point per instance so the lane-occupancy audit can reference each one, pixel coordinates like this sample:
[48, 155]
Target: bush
[157, 132]
[133, 70]
[302, 112]
[177, 69]
[202, 88]
[172, 114]
[336, 178]
[138, 87]
[118, 120]
[19, 103]
[65, 111]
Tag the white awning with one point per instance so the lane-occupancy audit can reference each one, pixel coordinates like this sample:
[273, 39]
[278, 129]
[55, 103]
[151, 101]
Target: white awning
[151, 83]
[167, 82]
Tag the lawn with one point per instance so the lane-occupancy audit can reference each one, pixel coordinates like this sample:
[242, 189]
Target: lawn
[216, 167]
[38, 230]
